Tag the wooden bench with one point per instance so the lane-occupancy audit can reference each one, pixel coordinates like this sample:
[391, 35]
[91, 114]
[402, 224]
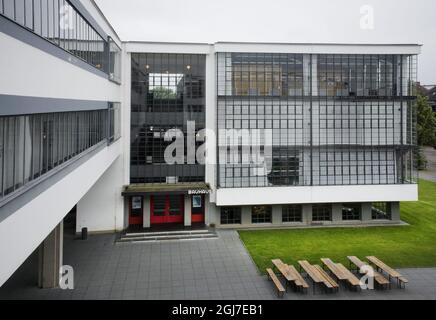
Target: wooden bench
[392, 273]
[328, 281]
[379, 279]
[352, 280]
[341, 273]
[315, 275]
[284, 271]
[299, 283]
[290, 274]
[278, 285]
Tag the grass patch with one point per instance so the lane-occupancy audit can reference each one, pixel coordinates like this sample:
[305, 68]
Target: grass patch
[400, 246]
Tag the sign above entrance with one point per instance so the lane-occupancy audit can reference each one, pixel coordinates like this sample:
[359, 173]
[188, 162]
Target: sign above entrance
[199, 191]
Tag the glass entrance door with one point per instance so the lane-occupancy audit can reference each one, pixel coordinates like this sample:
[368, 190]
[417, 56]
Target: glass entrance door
[167, 209]
[136, 215]
[197, 211]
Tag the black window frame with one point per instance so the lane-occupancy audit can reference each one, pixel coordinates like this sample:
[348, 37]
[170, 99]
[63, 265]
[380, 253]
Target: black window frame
[322, 212]
[230, 215]
[292, 213]
[261, 217]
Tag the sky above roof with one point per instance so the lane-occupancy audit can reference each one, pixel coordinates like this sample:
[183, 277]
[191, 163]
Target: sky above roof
[291, 21]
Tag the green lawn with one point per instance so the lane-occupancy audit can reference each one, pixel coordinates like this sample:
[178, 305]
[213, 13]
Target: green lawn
[401, 246]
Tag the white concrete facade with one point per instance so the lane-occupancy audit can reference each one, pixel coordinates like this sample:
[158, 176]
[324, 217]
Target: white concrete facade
[28, 71]
[277, 196]
[96, 185]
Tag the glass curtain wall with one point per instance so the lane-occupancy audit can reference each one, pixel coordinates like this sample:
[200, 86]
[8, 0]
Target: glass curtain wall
[168, 92]
[334, 119]
[32, 145]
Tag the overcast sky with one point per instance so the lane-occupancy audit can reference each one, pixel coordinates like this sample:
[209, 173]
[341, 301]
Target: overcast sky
[319, 21]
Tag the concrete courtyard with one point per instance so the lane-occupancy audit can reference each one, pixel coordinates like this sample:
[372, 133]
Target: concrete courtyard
[206, 269]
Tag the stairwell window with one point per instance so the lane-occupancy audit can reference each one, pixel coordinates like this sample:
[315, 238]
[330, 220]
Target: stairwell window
[261, 214]
[351, 211]
[381, 211]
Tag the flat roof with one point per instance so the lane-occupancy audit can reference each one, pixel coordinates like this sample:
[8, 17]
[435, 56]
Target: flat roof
[272, 47]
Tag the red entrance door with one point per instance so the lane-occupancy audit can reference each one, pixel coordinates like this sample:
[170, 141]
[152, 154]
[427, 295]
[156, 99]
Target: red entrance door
[167, 209]
[197, 205]
[136, 213]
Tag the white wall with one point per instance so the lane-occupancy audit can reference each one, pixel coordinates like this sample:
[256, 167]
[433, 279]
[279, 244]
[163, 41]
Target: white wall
[28, 71]
[23, 231]
[101, 209]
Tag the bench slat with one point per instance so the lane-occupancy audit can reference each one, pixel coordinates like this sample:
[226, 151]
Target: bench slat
[310, 271]
[379, 278]
[392, 272]
[351, 278]
[328, 281]
[280, 289]
[300, 282]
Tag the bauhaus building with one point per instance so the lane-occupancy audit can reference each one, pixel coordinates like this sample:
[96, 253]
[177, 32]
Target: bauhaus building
[142, 135]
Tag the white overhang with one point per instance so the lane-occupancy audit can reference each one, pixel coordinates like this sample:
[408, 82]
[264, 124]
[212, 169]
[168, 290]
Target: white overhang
[310, 48]
[168, 47]
[316, 194]
[318, 48]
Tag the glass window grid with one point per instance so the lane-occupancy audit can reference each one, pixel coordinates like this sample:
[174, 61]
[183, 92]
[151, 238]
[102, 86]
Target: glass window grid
[351, 211]
[322, 212]
[261, 214]
[167, 91]
[32, 145]
[230, 215]
[366, 129]
[381, 211]
[292, 213]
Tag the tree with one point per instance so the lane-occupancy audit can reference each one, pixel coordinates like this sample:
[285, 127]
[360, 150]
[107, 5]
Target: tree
[426, 129]
[426, 123]
[163, 93]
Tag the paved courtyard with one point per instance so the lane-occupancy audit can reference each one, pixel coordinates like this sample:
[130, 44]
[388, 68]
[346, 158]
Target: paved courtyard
[206, 269]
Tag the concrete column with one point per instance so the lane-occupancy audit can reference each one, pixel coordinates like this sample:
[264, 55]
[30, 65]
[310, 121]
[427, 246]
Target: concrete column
[211, 212]
[307, 213]
[277, 214]
[188, 212]
[146, 211]
[50, 258]
[126, 212]
[367, 211]
[395, 211]
[246, 215]
[336, 212]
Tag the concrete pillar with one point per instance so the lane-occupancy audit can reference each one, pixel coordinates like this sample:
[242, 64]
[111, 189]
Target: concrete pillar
[50, 258]
[211, 214]
[126, 212]
[395, 211]
[277, 214]
[146, 212]
[246, 215]
[307, 213]
[188, 212]
[336, 212]
[366, 211]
